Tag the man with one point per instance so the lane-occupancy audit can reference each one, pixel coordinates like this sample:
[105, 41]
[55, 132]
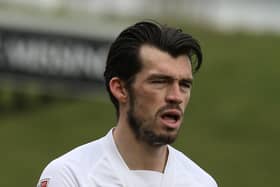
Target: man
[149, 74]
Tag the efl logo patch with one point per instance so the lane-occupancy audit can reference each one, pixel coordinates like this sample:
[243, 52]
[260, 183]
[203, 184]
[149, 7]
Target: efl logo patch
[43, 183]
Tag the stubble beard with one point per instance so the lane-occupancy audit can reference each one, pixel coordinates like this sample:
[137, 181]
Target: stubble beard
[143, 130]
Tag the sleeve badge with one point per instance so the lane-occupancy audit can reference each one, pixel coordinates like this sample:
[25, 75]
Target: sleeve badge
[43, 183]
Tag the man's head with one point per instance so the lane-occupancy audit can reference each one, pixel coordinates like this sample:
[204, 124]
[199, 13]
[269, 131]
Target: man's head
[154, 64]
[123, 58]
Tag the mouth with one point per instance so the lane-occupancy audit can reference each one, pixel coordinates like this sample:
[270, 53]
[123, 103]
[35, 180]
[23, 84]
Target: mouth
[171, 118]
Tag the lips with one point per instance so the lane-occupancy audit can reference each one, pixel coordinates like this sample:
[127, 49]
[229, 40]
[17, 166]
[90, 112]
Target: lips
[171, 118]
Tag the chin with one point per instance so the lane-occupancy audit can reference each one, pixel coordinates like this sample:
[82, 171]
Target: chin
[165, 138]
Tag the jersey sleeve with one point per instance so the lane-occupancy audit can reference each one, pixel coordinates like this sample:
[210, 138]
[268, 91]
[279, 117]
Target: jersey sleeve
[57, 174]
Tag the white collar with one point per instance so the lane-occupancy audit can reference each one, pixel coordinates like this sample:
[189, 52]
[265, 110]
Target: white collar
[119, 164]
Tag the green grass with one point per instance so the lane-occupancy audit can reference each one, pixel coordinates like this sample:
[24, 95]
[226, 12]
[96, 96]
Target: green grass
[234, 128]
[32, 138]
[231, 127]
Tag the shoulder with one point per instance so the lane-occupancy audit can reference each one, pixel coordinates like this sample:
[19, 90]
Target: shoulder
[67, 169]
[188, 167]
[82, 156]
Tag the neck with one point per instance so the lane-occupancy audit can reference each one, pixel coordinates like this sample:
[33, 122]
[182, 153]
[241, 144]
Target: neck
[138, 155]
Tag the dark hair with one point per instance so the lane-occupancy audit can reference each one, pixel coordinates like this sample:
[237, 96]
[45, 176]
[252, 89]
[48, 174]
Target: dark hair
[123, 58]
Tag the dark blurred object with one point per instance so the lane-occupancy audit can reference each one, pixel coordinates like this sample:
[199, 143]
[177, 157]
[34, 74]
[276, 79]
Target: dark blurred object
[55, 61]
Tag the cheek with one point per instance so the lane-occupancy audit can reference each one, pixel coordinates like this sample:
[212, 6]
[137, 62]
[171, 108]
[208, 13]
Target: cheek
[147, 102]
[186, 100]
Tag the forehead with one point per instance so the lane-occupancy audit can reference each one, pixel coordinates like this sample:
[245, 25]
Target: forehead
[155, 60]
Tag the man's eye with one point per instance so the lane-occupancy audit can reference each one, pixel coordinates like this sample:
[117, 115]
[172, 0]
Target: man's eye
[158, 81]
[186, 85]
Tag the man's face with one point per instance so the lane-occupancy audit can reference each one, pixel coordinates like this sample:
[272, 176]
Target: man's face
[159, 96]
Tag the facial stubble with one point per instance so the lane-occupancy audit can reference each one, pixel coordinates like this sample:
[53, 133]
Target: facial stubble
[143, 130]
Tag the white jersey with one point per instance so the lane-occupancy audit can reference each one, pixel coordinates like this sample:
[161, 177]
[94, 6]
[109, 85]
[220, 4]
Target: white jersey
[99, 164]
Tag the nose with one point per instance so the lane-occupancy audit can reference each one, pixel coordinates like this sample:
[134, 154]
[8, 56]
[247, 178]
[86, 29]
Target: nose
[174, 94]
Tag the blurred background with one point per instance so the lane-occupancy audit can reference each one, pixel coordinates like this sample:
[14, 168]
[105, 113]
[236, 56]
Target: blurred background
[52, 98]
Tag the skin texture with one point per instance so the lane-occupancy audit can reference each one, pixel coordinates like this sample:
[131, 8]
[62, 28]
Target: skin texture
[162, 88]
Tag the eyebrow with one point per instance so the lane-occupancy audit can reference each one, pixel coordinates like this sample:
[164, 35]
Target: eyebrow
[167, 77]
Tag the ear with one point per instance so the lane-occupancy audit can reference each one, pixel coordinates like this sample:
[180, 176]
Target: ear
[118, 89]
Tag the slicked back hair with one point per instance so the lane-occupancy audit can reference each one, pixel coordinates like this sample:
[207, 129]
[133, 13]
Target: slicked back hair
[123, 59]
